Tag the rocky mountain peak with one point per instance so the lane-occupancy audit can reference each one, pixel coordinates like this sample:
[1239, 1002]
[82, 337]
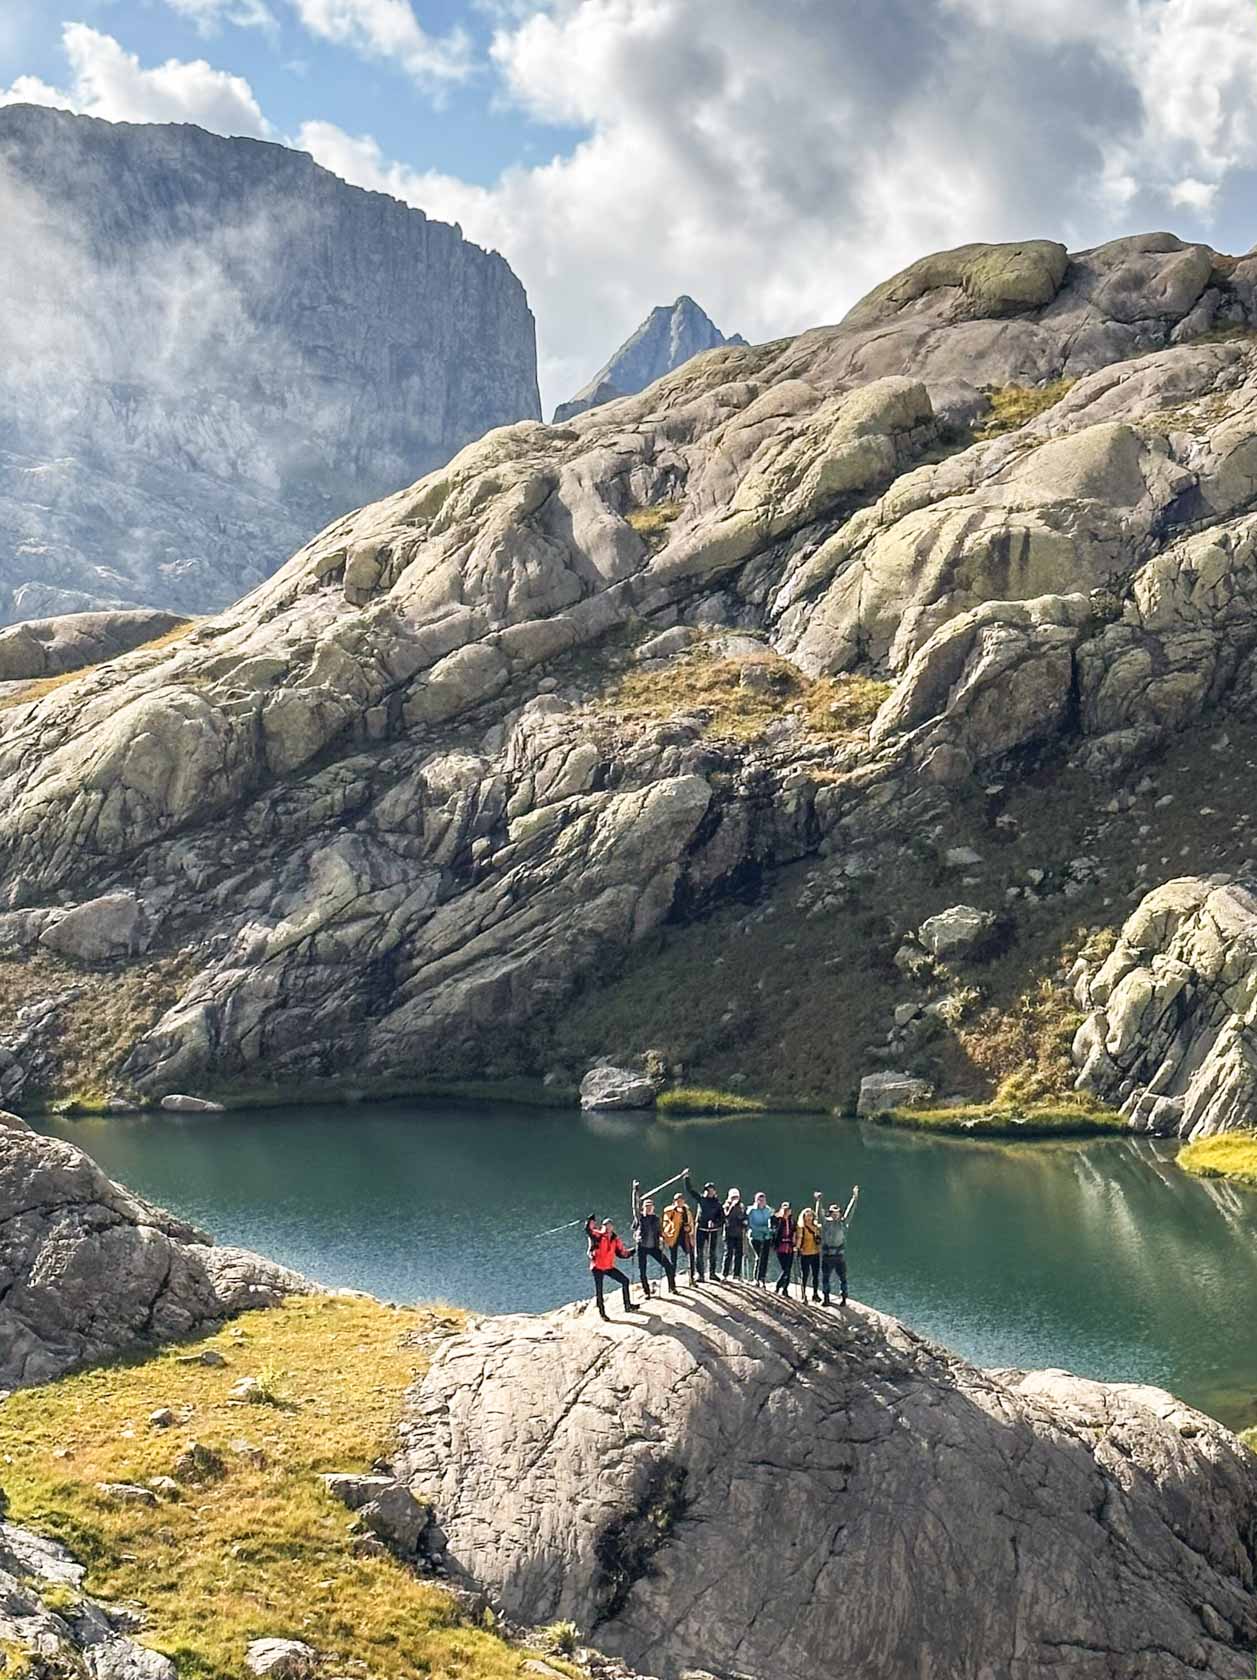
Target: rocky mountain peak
[668, 338]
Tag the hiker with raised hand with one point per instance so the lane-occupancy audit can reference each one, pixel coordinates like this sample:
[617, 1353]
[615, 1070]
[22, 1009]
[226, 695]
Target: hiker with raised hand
[676, 1228]
[710, 1221]
[605, 1248]
[783, 1243]
[648, 1234]
[834, 1244]
[735, 1233]
[759, 1218]
[808, 1242]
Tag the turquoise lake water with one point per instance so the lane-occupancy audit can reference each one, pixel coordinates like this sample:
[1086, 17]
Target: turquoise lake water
[1099, 1257]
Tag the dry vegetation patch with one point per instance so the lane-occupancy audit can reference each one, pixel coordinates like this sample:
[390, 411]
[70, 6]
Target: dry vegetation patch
[48, 685]
[262, 1549]
[744, 697]
[1014, 406]
[1225, 1155]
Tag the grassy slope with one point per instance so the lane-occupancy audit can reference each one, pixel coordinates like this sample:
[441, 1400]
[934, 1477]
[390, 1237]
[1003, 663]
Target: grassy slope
[263, 1551]
[794, 1000]
[1227, 1155]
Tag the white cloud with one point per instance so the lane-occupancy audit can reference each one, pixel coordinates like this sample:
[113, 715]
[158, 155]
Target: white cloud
[209, 16]
[107, 81]
[777, 161]
[389, 29]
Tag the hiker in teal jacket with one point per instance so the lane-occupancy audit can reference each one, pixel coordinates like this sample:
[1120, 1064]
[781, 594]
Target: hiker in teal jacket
[759, 1218]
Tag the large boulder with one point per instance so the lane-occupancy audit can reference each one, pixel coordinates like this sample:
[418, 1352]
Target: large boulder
[757, 1489]
[882, 1092]
[607, 1087]
[959, 931]
[1168, 1033]
[88, 1270]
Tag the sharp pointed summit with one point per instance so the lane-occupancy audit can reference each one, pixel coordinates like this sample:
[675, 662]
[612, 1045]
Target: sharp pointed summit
[669, 336]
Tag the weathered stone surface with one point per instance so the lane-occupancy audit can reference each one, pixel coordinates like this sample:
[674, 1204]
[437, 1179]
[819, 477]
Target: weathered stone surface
[282, 1659]
[622, 1475]
[233, 345]
[49, 647]
[386, 809]
[178, 1103]
[882, 1091]
[960, 931]
[112, 926]
[1172, 1011]
[65, 1228]
[617, 1087]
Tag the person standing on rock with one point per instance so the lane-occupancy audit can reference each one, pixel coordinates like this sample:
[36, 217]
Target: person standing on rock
[783, 1243]
[834, 1244]
[711, 1220]
[605, 1248]
[808, 1242]
[648, 1233]
[759, 1218]
[735, 1233]
[677, 1231]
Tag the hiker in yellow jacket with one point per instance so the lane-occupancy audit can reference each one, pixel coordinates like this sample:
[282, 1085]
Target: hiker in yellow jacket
[807, 1242]
[676, 1226]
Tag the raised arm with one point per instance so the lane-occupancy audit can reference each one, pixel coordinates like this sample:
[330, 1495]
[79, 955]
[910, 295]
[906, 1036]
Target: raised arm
[855, 1197]
[689, 1188]
[637, 1200]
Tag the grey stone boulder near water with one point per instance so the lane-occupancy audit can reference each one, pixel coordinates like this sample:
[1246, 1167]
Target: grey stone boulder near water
[88, 1270]
[392, 812]
[1170, 1033]
[764, 1489]
[617, 1087]
[882, 1092]
[208, 348]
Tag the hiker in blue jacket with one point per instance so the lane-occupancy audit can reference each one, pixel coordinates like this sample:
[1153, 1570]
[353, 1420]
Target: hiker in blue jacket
[760, 1220]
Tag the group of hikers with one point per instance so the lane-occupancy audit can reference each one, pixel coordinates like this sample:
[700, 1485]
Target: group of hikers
[723, 1239]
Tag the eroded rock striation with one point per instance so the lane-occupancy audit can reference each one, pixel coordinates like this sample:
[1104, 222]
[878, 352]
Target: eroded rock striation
[208, 347]
[87, 1269]
[755, 1489]
[386, 813]
[1171, 1028]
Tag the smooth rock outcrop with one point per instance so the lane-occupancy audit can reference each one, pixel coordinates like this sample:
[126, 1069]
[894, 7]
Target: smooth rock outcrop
[87, 1269]
[958, 932]
[617, 1087]
[765, 1490]
[210, 347]
[49, 647]
[388, 812]
[1170, 1034]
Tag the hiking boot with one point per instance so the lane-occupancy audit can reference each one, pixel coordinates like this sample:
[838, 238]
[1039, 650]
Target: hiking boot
[825, 1302]
[631, 1306]
[602, 1312]
[816, 1297]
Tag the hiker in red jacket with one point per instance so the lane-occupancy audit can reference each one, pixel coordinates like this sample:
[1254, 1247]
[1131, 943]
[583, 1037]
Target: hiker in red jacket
[605, 1248]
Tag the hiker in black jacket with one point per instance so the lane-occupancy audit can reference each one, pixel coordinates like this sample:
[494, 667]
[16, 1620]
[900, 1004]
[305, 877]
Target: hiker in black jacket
[711, 1221]
[646, 1231]
[736, 1219]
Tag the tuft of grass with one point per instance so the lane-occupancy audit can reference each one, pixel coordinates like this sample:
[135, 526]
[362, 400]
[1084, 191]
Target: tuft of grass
[773, 689]
[1065, 1118]
[1025, 1049]
[1224, 1155]
[264, 1550]
[561, 1638]
[651, 523]
[1249, 1438]
[1014, 406]
[693, 1099]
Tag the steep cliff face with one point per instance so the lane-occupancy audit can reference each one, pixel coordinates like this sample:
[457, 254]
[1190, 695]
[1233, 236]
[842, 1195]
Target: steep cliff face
[208, 346]
[469, 749]
[669, 337]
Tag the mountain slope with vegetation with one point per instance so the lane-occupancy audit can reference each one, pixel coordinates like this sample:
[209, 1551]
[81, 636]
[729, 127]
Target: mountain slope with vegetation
[951, 608]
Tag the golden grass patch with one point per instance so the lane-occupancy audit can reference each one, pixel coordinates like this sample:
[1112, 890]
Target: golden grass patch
[263, 1550]
[1014, 406]
[1225, 1155]
[48, 685]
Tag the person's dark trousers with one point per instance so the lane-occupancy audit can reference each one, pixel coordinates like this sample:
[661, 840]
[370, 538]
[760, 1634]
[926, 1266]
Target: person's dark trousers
[661, 1259]
[688, 1253]
[617, 1276]
[786, 1262]
[763, 1248]
[811, 1267]
[708, 1254]
[834, 1260]
[733, 1256]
